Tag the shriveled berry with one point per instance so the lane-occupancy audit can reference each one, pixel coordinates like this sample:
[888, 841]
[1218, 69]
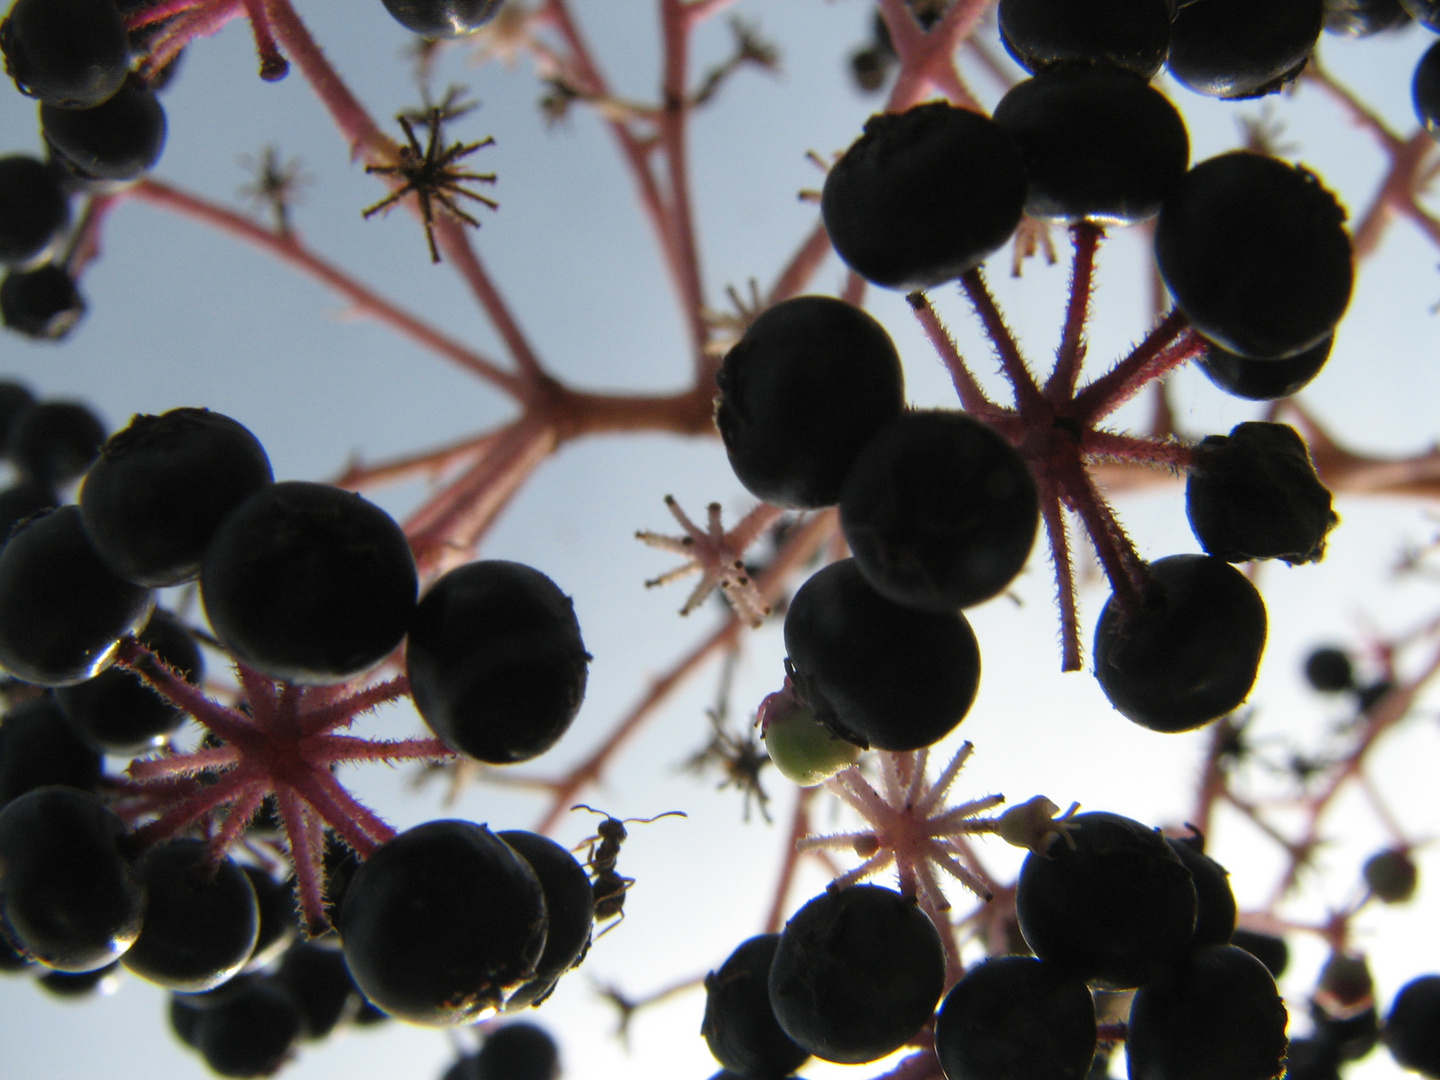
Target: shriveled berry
[739, 1025]
[42, 303]
[119, 140]
[1412, 1029]
[34, 209]
[1014, 1017]
[442, 923]
[442, 18]
[62, 612]
[878, 673]
[162, 486]
[1256, 254]
[1129, 34]
[71, 53]
[1264, 380]
[308, 582]
[923, 196]
[1242, 48]
[569, 911]
[68, 895]
[857, 973]
[940, 511]
[497, 667]
[1110, 902]
[55, 441]
[801, 393]
[1254, 494]
[39, 748]
[1190, 652]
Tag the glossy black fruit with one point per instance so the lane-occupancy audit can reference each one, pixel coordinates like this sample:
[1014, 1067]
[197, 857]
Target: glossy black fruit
[940, 511]
[55, 441]
[801, 393]
[1215, 902]
[1391, 875]
[496, 664]
[39, 748]
[1218, 1016]
[62, 612]
[858, 972]
[1329, 670]
[1100, 144]
[1268, 949]
[42, 303]
[1189, 654]
[71, 53]
[33, 207]
[1016, 1018]
[249, 1033]
[1412, 1029]
[1110, 902]
[1256, 254]
[308, 582]
[1264, 380]
[68, 895]
[119, 140]
[1130, 34]
[1254, 494]
[569, 910]
[442, 18]
[162, 486]
[315, 974]
[25, 499]
[878, 673]
[740, 1026]
[442, 923]
[1425, 90]
[923, 196]
[1242, 48]
[517, 1051]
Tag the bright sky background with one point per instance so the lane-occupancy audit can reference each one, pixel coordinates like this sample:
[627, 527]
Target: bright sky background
[180, 316]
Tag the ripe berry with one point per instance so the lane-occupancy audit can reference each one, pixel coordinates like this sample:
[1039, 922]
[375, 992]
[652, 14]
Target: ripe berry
[161, 488]
[1214, 901]
[1242, 48]
[1109, 902]
[1218, 1016]
[42, 303]
[1425, 90]
[1190, 652]
[1329, 671]
[250, 1032]
[923, 196]
[62, 612]
[1390, 875]
[1130, 34]
[1268, 949]
[569, 911]
[275, 903]
[68, 895]
[25, 499]
[877, 673]
[740, 1026]
[857, 973]
[315, 974]
[308, 582]
[55, 441]
[442, 923]
[1264, 380]
[1254, 494]
[75, 985]
[1014, 1017]
[201, 918]
[14, 399]
[800, 395]
[34, 209]
[1412, 1030]
[118, 140]
[442, 18]
[940, 511]
[1256, 254]
[39, 748]
[1100, 144]
[496, 664]
[71, 53]
[518, 1051]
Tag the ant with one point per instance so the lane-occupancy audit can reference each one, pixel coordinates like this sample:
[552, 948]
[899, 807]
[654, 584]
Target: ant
[608, 886]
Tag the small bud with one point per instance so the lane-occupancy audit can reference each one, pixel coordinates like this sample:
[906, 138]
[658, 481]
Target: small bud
[1033, 824]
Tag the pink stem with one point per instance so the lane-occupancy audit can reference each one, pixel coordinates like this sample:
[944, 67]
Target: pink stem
[673, 117]
[360, 828]
[198, 761]
[323, 718]
[1124, 380]
[233, 784]
[228, 724]
[1127, 572]
[1071, 354]
[307, 855]
[1028, 399]
[159, 12]
[802, 266]
[333, 749]
[273, 66]
[926, 60]
[1056, 533]
[1166, 453]
[241, 811]
[972, 397]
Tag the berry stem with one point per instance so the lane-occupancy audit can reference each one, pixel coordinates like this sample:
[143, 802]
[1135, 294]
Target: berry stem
[146, 770]
[1121, 562]
[927, 61]
[334, 749]
[1056, 533]
[1060, 387]
[799, 829]
[323, 718]
[1168, 453]
[1125, 379]
[356, 824]
[273, 66]
[972, 397]
[1028, 399]
[307, 856]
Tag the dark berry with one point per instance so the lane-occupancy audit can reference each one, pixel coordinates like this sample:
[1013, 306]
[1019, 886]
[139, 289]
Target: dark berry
[569, 911]
[1329, 670]
[161, 488]
[1100, 144]
[38, 748]
[74, 985]
[496, 664]
[201, 919]
[858, 972]
[1110, 902]
[1345, 984]
[25, 499]
[1352, 1032]
[1412, 1030]
[14, 399]
[34, 209]
[1390, 875]
[43, 303]
[1268, 949]
[275, 905]
[878, 673]
[1242, 48]
[740, 1026]
[315, 974]
[1215, 902]
[1361, 18]
[442, 18]
[1217, 1016]
[1425, 90]
[1189, 654]
[72, 53]
[1130, 34]
[518, 1051]
[800, 395]
[55, 441]
[1264, 380]
[116, 712]
[940, 511]
[924, 196]
[309, 583]
[1254, 494]
[251, 1032]
[62, 612]
[68, 895]
[1312, 1059]
[442, 923]
[119, 140]
[1016, 1018]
